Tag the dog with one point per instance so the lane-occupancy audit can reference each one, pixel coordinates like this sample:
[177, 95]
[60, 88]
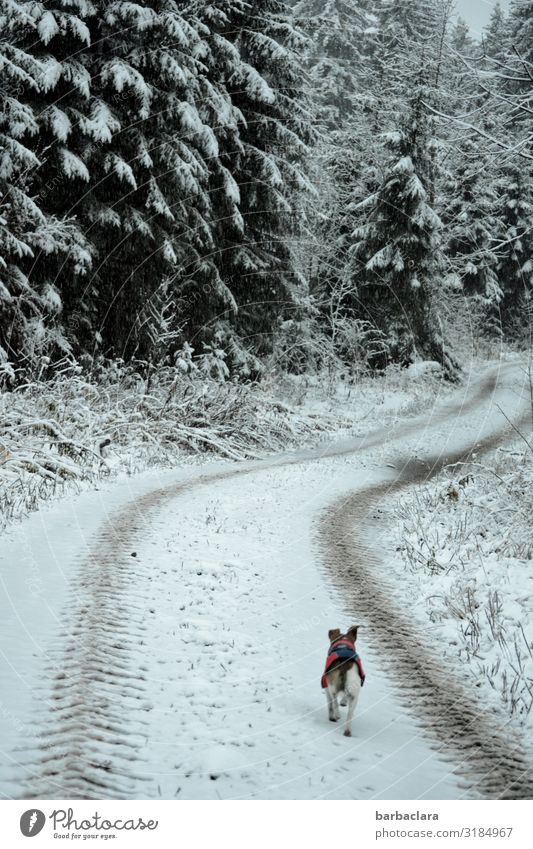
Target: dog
[343, 673]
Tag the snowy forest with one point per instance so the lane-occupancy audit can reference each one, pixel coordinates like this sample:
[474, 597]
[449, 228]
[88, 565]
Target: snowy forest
[229, 184]
[266, 302]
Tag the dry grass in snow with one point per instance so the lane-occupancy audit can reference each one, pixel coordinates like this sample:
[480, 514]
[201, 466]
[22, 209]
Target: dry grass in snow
[56, 434]
[59, 433]
[467, 548]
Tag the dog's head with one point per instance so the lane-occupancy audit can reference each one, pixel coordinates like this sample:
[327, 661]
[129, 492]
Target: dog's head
[351, 634]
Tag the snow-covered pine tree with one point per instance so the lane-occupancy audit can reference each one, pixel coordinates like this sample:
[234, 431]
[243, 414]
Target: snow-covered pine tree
[470, 224]
[512, 67]
[148, 211]
[495, 40]
[404, 29]
[205, 290]
[521, 32]
[401, 22]
[176, 140]
[69, 118]
[260, 176]
[342, 36]
[503, 73]
[518, 79]
[140, 158]
[397, 256]
[459, 84]
[461, 39]
[341, 39]
[31, 240]
[514, 246]
[406, 42]
[352, 176]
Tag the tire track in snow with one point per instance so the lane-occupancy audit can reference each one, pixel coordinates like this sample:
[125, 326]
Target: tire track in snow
[492, 764]
[94, 726]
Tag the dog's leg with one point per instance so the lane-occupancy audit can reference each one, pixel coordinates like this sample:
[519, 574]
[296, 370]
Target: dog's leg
[341, 686]
[336, 707]
[333, 707]
[353, 687]
[348, 723]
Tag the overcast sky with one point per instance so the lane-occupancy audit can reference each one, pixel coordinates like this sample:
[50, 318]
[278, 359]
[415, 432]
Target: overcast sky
[477, 12]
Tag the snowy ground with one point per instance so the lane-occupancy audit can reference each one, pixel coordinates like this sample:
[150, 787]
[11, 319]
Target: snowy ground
[193, 649]
[463, 545]
[238, 711]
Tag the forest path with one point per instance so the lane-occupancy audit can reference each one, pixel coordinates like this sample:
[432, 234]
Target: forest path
[126, 691]
[491, 761]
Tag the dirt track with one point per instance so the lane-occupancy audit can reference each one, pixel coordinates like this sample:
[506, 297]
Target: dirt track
[97, 697]
[491, 762]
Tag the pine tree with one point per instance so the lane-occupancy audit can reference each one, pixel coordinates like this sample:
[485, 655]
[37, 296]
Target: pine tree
[495, 41]
[260, 175]
[406, 30]
[515, 240]
[342, 36]
[69, 118]
[459, 85]
[460, 38]
[471, 225]
[148, 210]
[30, 238]
[514, 246]
[130, 156]
[402, 42]
[521, 32]
[174, 134]
[399, 247]
[518, 79]
[211, 307]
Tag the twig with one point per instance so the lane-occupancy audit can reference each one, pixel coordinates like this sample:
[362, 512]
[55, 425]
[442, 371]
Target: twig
[515, 428]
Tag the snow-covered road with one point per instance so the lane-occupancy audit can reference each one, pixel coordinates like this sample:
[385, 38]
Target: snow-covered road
[165, 636]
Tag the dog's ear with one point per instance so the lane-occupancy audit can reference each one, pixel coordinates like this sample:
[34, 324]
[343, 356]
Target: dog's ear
[352, 633]
[333, 634]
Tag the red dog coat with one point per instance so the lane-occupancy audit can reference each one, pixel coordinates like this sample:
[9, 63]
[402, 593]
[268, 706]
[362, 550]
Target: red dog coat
[342, 649]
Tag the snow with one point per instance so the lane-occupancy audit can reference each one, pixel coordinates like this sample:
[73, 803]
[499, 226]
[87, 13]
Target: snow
[231, 567]
[236, 644]
[422, 368]
[102, 124]
[416, 190]
[156, 201]
[120, 168]
[51, 73]
[72, 165]
[231, 187]
[122, 76]
[256, 86]
[52, 299]
[466, 548]
[80, 29]
[190, 119]
[59, 122]
[405, 166]
[381, 259]
[47, 27]
[226, 610]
